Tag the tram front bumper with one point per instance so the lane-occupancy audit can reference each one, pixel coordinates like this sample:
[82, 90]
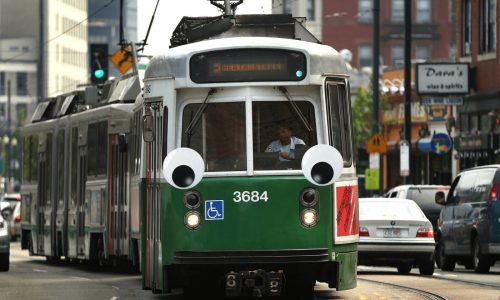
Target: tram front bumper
[255, 283]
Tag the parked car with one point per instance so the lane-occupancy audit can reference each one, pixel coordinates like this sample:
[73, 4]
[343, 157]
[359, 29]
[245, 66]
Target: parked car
[469, 223]
[14, 201]
[5, 211]
[395, 233]
[423, 195]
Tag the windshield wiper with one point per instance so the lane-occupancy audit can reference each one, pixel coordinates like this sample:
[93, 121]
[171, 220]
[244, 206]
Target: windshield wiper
[296, 109]
[194, 121]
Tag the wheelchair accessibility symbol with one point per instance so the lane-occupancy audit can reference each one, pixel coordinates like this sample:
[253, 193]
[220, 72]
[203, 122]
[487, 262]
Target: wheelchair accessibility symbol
[214, 210]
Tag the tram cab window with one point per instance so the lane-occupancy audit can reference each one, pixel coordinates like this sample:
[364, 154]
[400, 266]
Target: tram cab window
[218, 135]
[278, 118]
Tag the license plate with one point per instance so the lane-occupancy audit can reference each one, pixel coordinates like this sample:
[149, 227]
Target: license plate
[392, 232]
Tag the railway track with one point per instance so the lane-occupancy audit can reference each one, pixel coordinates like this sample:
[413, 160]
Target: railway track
[419, 292]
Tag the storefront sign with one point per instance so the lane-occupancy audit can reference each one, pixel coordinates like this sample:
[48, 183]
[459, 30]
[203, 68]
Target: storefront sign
[441, 143]
[404, 162]
[438, 113]
[442, 79]
[452, 100]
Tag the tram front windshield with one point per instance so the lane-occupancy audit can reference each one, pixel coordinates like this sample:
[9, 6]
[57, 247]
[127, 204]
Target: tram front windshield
[280, 136]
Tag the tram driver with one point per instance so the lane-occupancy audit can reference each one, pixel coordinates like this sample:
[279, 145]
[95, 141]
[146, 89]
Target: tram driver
[286, 144]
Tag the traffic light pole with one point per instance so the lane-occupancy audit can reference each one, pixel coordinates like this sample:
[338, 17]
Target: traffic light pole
[407, 84]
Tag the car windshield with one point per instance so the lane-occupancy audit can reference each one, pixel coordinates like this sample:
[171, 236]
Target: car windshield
[374, 209]
[220, 134]
[424, 197]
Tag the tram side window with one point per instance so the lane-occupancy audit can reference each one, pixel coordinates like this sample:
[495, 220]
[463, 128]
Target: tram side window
[26, 158]
[275, 120]
[60, 166]
[97, 148]
[218, 135]
[339, 111]
[34, 158]
[74, 163]
[48, 171]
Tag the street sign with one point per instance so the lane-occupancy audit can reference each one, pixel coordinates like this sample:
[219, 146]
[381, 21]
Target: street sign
[441, 143]
[376, 144]
[123, 60]
[441, 100]
[214, 210]
[372, 179]
[404, 158]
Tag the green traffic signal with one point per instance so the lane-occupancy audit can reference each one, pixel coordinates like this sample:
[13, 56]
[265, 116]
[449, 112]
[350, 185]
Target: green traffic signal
[99, 73]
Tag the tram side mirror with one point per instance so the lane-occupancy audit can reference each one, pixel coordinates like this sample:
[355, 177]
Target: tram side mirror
[148, 132]
[122, 143]
[183, 168]
[440, 198]
[322, 165]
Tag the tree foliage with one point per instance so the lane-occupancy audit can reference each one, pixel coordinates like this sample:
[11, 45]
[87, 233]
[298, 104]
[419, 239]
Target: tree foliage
[362, 117]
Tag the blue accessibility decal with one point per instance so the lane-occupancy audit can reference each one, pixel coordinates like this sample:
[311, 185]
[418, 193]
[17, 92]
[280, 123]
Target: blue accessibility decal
[214, 210]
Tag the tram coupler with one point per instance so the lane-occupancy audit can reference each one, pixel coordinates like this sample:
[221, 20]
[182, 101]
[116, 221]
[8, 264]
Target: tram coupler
[255, 284]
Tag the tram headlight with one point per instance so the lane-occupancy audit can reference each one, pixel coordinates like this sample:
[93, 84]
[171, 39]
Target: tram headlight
[192, 219]
[309, 217]
[192, 199]
[309, 197]
[322, 164]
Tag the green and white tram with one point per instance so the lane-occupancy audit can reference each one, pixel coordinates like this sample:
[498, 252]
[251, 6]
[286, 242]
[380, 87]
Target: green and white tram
[77, 202]
[217, 209]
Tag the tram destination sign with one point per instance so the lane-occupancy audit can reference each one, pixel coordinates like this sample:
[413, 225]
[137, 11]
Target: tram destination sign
[247, 65]
[442, 79]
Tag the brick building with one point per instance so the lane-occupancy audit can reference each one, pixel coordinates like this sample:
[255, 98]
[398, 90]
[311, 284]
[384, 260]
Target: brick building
[477, 44]
[348, 25]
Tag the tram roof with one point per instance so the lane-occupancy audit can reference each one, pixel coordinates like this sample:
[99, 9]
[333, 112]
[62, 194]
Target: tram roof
[324, 60]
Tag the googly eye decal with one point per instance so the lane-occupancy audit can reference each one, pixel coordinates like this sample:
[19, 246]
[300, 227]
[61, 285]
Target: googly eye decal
[322, 165]
[183, 168]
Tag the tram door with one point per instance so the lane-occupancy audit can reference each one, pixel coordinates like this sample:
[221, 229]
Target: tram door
[118, 216]
[80, 200]
[153, 161]
[44, 209]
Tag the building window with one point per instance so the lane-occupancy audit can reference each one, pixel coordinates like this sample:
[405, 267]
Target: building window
[287, 7]
[365, 11]
[365, 56]
[22, 83]
[466, 28]
[398, 55]
[22, 113]
[487, 25]
[422, 52]
[423, 14]
[398, 11]
[311, 12]
[2, 83]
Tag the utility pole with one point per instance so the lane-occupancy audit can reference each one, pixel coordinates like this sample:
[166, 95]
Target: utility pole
[407, 104]
[375, 86]
[7, 147]
[41, 47]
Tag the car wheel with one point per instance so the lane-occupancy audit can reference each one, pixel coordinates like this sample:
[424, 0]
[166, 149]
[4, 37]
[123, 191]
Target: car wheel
[447, 263]
[404, 269]
[4, 262]
[480, 262]
[427, 267]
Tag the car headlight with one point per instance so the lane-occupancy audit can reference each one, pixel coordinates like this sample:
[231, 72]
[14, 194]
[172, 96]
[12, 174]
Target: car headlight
[192, 219]
[309, 217]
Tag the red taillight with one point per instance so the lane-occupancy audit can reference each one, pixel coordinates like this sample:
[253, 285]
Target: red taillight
[425, 232]
[363, 231]
[494, 192]
[17, 219]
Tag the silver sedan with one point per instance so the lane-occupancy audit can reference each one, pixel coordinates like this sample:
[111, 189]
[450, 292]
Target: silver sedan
[395, 232]
[4, 237]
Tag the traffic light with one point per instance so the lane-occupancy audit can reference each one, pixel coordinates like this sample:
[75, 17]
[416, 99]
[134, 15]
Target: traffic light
[98, 63]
